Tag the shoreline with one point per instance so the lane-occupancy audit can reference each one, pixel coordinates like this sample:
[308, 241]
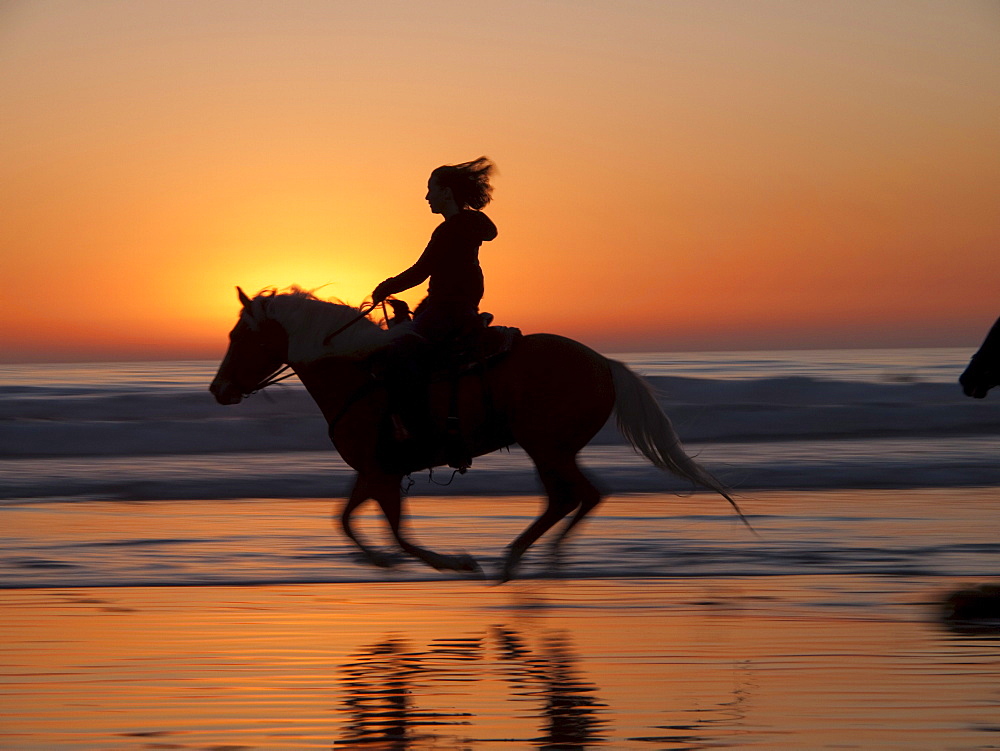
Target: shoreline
[813, 466]
[641, 537]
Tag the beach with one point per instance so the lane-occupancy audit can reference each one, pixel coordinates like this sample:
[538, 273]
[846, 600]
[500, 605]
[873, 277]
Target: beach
[200, 597]
[824, 632]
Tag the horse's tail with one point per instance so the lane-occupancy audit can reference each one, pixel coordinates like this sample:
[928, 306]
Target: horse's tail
[651, 433]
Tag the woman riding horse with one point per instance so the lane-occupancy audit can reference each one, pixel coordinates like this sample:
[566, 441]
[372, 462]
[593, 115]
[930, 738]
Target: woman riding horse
[549, 394]
[451, 259]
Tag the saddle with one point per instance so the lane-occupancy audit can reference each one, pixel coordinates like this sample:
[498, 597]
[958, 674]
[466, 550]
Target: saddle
[477, 348]
[473, 349]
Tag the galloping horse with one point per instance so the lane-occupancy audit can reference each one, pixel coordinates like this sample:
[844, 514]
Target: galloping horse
[983, 371]
[549, 394]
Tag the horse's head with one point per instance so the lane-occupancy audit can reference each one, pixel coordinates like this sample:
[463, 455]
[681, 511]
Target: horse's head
[258, 346]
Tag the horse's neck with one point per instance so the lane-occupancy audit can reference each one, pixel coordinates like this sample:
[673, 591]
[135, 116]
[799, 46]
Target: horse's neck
[308, 328]
[332, 382]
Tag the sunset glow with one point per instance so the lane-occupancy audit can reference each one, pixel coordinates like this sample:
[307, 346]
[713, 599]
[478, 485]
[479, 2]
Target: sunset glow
[672, 175]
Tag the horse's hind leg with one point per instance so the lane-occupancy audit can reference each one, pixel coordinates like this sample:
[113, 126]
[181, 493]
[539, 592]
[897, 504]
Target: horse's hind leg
[588, 496]
[390, 499]
[567, 488]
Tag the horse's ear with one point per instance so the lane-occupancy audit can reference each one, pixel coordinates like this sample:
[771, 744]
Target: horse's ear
[244, 300]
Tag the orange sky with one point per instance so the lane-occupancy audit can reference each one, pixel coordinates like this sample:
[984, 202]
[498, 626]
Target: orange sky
[673, 175]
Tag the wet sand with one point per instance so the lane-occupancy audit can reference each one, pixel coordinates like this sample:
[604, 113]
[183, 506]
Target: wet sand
[838, 659]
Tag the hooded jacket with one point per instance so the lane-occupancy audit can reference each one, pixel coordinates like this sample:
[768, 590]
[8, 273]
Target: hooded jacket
[451, 260]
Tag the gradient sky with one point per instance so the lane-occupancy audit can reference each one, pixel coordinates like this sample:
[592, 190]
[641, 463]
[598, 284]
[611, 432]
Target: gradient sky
[673, 175]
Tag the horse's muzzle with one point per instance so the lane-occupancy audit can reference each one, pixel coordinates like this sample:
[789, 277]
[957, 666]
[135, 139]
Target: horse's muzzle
[976, 382]
[225, 393]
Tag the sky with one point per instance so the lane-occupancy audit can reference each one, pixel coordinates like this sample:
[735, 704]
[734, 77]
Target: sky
[677, 176]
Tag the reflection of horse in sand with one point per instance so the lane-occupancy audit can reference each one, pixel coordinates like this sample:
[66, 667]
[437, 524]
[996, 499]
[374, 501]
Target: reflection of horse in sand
[572, 714]
[983, 372]
[549, 394]
[380, 699]
[399, 695]
[389, 689]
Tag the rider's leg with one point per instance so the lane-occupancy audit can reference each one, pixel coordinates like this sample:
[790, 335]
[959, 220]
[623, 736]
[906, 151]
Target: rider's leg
[435, 326]
[403, 367]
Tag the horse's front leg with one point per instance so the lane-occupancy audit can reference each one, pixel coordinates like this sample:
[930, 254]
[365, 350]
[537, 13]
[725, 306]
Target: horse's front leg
[359, 495]
[390, 499]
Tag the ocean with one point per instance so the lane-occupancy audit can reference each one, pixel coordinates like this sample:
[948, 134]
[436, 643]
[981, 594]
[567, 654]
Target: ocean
[143, 448]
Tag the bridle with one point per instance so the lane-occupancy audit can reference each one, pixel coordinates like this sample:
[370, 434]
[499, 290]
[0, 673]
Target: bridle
[270, 380]
[273, 377]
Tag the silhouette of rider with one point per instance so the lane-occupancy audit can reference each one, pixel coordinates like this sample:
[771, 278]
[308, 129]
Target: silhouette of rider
[451, 260]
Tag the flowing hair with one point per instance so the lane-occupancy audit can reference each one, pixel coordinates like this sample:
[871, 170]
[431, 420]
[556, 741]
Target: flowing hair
[469, 181]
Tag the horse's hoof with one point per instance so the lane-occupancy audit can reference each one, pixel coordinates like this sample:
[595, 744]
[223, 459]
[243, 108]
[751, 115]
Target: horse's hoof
[383, 560]
[974, 610]
[469, 564]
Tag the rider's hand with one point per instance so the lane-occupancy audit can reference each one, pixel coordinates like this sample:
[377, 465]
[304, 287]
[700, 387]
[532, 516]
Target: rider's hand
[380, 294]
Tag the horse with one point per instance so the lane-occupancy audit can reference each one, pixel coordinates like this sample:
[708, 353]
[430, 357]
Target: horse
[548, 394]
[983, 371]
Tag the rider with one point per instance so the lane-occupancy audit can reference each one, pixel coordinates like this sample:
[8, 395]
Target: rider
[451, 259]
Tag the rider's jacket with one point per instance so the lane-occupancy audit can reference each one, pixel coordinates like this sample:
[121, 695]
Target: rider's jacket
[451, 260]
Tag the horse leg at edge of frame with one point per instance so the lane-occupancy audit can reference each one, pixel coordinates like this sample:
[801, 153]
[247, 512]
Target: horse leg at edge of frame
[359, 495]
[388, 496]
[558, 483]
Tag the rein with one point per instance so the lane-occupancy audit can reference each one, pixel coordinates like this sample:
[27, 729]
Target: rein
[271, 379]
[363, 314]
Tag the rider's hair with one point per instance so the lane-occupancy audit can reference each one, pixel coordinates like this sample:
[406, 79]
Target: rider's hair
[469, 181]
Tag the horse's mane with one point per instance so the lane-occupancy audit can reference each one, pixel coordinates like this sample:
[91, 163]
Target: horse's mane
[308, 320]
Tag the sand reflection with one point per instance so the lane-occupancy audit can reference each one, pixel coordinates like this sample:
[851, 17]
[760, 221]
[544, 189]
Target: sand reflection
[396, 694]
[384, 687]
[571, 714]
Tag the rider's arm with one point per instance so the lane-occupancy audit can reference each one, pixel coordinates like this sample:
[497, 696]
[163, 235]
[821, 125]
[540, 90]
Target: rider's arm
[426, 265]
[403, 281]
